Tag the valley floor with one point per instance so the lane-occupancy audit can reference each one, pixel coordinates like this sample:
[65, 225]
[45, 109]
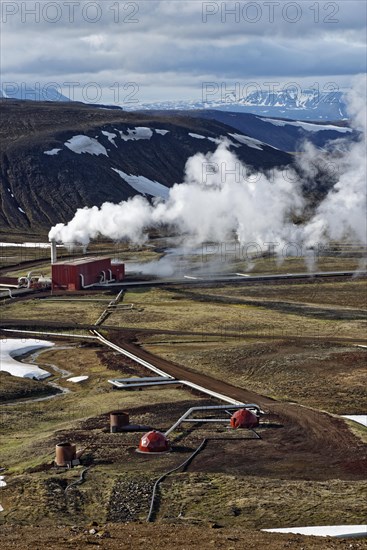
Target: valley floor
[292, 348]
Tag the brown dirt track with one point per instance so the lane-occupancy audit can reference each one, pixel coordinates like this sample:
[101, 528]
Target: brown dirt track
[127, 537]
[142, 536]
[310, 445]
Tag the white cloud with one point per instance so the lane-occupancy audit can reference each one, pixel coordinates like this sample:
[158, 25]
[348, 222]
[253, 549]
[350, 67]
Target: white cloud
[94, 40]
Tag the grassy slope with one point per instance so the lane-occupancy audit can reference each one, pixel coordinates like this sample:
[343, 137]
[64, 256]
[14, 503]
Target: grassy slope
[280, 369]
[22, 388]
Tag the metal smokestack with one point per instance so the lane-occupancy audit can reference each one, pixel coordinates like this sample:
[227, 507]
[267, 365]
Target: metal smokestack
[53, 252]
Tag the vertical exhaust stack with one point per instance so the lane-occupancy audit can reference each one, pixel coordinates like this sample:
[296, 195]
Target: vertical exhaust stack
[53, 252]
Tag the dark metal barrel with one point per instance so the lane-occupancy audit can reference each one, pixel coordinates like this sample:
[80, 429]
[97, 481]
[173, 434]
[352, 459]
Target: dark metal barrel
[118, 420]
[65, 454]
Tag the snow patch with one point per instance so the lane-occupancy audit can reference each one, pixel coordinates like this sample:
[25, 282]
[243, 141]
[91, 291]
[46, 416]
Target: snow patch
[161, 132]
[144, 185]
[197, 136]
[245, 140]
[11, 348]
[308, 125]
[214, 140]
[218, 141]
[20, 210]
[77, 379]
[324, 530]
[52, 152]
[140, 132]
[110, 137]
[84, 144]
[359, 418]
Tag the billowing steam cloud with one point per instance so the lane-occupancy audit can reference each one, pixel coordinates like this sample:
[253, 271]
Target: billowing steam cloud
[221, 197]
[342, 214]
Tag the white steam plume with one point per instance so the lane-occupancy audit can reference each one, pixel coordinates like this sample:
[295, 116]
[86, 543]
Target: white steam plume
[127, 220]
[207, 206]
[342, 214]
[220, 197]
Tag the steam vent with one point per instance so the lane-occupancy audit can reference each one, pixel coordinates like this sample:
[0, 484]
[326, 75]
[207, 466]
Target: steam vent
[244, 419]
[154, 442]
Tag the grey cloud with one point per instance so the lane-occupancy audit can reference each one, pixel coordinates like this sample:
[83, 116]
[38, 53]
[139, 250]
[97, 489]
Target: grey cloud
[171, 40]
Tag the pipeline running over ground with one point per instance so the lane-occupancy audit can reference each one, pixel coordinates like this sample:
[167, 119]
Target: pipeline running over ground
[78, 481]
[163, 476]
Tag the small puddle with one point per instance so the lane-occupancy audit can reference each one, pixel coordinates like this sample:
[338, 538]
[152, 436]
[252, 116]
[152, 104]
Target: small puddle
[33, 359]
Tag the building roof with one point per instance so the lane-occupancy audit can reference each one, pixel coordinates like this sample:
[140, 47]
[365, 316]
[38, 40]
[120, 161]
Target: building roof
[81, 261]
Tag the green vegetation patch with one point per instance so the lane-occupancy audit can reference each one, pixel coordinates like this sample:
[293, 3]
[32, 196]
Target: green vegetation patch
[12, 388]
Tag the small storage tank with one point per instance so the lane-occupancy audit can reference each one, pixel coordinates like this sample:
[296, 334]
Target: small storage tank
[118, 420]
[154, 442]
[244, 418]
[65, 454]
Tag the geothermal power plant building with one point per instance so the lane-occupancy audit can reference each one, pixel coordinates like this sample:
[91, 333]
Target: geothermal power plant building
[85, 272]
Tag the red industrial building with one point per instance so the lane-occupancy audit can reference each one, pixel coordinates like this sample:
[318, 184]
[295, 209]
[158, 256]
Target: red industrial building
[85, 272]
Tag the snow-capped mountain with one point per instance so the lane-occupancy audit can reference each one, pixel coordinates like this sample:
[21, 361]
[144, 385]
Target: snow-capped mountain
[309, 104]
[290, 103]
[285, 134]
[31, 93]
[58, 157]
[293, 104]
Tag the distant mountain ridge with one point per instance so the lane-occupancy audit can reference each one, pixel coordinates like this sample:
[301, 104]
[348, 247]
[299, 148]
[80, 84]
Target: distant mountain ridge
[285, 134]
[31, 93]
[306, 105]
[58, 157]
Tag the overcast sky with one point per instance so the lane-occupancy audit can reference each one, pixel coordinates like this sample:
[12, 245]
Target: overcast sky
[161, 50]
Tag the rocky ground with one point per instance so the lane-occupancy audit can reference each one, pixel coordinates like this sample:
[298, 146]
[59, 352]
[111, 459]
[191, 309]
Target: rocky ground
[142, 535]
